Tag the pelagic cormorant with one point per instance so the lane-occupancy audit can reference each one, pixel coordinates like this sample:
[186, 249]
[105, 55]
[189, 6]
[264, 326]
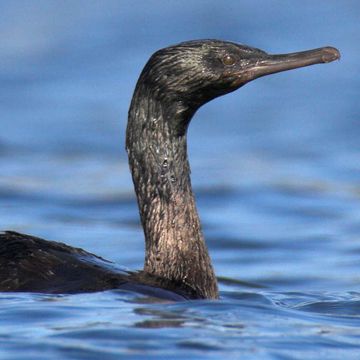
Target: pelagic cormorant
[175, 82]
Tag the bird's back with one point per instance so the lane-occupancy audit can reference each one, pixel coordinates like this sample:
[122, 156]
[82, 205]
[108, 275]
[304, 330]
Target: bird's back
[28, 263]
[32, 264]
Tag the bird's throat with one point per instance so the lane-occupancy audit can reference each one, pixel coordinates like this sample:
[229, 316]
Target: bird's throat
[175, 246]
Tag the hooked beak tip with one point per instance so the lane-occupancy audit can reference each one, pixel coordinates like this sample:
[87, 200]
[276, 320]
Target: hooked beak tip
[330, 54]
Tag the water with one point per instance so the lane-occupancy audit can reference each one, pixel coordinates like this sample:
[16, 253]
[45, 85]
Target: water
[275, 166]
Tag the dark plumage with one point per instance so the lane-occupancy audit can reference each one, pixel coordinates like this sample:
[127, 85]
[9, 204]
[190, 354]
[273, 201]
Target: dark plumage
[175, 82]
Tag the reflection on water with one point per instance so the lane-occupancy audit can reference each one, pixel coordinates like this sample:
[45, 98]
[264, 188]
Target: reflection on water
[246, 323]
[278, 194]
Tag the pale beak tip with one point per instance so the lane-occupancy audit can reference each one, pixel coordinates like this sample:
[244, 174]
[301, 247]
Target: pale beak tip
[330, 54]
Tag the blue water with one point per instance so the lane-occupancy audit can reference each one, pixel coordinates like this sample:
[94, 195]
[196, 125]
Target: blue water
[275, 168]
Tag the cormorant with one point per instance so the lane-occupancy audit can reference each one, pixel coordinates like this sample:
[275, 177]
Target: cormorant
[174, 83]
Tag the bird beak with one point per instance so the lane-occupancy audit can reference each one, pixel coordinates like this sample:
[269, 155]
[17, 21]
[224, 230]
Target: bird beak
[270, 64]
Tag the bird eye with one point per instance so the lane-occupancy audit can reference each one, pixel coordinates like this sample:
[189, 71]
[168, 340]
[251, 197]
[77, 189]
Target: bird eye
[228, 60]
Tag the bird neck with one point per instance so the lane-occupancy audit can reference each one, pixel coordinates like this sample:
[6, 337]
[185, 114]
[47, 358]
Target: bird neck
[157, 150]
